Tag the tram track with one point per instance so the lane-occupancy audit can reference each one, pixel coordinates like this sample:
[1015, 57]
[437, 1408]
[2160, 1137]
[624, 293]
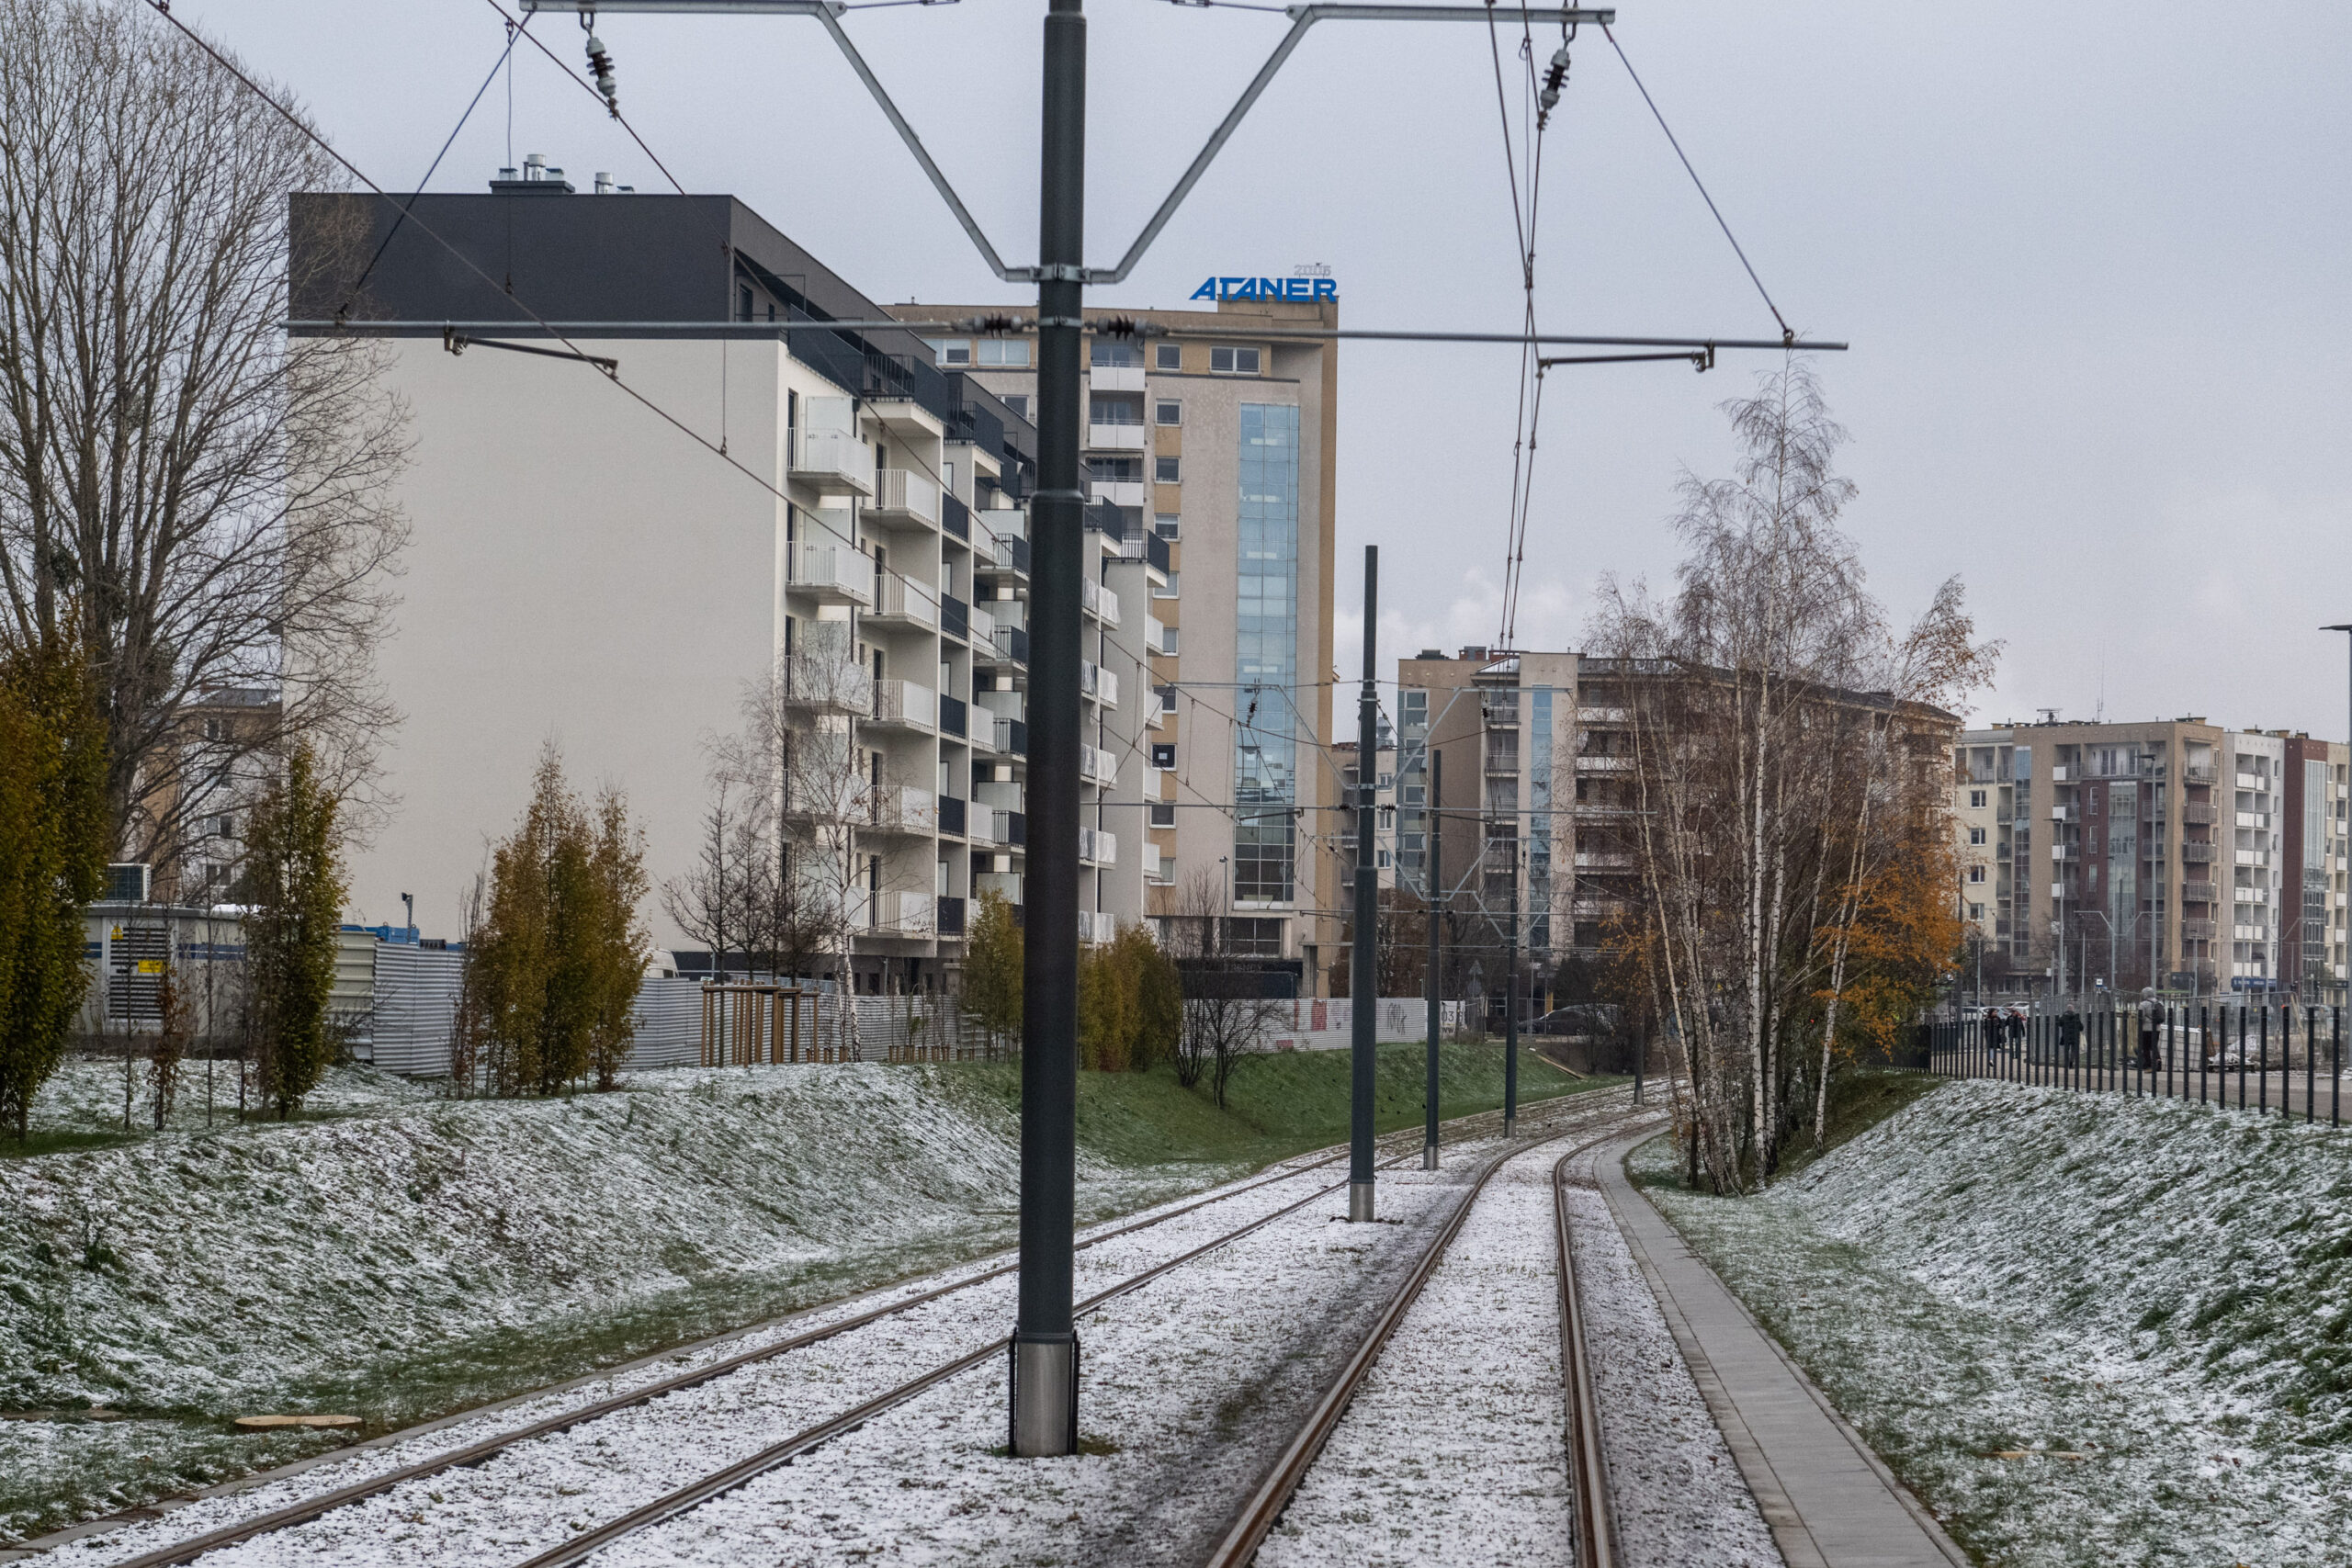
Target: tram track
[1594, 1530]
[1401, 1147]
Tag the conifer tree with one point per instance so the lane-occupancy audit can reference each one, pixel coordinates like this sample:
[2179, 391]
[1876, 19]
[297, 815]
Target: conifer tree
[294, 886]
[52, 858]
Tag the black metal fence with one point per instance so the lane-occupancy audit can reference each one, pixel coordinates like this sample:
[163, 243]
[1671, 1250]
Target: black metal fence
[2283, 1057]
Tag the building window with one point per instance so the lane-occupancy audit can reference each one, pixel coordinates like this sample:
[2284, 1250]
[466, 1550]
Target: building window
[1004, 353]
[1975, 874]
[1168, 355]
[1018, 405]
[1167, 411]
[1167, 639]
[1233, 361]
[1976, 911]
[1266, 662]
[1114, 470]
[1976, 800]
[1387, 781]
[1163, 814]
[1112, 355]
[1383, 861]
[1166, 590]
[1976, 835]
[1167, 526]
[1168, 470]
[1164, 754]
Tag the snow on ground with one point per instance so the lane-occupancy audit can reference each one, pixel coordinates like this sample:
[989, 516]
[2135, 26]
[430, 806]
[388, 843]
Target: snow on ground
[2085, 1329]
[85, 1095]
[410, 1257]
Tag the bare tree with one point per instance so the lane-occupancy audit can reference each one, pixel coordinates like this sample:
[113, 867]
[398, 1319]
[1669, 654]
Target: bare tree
[1778, 728]
[205, 496]
[715, 899]
[1226, 1018]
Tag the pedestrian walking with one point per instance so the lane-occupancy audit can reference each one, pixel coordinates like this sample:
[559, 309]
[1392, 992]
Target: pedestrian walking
[2151, 1015]
[2070, 1036]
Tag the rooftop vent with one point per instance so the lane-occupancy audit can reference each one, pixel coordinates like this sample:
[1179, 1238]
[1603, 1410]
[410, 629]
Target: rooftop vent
[604, 186]
[537, 177]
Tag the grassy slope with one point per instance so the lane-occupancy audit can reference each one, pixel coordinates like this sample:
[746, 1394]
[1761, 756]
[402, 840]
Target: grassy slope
[2165, 1290]
[400, 1256]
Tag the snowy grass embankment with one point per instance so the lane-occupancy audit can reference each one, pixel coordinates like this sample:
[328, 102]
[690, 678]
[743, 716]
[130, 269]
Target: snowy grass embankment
[407, 1256]
[2085, 1329]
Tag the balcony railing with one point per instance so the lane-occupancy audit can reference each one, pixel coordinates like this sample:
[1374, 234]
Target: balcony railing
[951, 814]
[1158, 867]
[2201, 892]
[832, 573]
[954, 517]
[1135, 438]
[1114, 378]
[955, 616]
[1098, 848]
[833, 685]
[905, 703]
[2197, 812]
[897, 913]
[833, 461]
[1100, 600]
[1100, 685]
[952, 717]
[2197, 930]
[2197, 854]
[901, 496]
[1097, 766]
[950, 916]
[1097, 926]
[979, 628]
[1011, 643]
[2199, 773]
[904, 810]
[905, 603]
[1012, 737]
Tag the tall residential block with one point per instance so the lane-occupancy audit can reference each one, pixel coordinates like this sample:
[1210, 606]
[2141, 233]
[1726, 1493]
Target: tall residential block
[1210, 472]
[2178, 853]
[837, 508]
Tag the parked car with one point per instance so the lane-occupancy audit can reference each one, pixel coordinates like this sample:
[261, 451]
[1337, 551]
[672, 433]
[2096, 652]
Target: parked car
[1582, 1019]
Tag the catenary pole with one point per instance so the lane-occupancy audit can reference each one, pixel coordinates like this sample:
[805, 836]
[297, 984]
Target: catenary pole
[1044, 1342]
[1364, 983]
[1510, 1009]
[1432, 870]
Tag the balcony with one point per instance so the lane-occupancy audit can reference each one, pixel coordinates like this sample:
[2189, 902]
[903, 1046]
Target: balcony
[1009, 645]
[1098, 683]
[832, 462]
[1135, 438]
[834, 574]
[1158, 868]
[1012, 737]
[955, 518]
[2254, 819]
[951, 720]
[979, 626]
[2065, 814]
[1097, 926]
[1009, 828]
[893, 913]
[1618, 717]
[2253, 782]
[901, 809]
[951, 815]
[902, 704]
[1117, 492]
[1586, 763]
[2067, 852]
[1097, 766]
[1155, 635]
[1096, 847]
[950, 916]
[1099, 602]
[2196, 813]
[1114, 378]
[2197, 854]
[2197, 930]
[900, 603]
[2199, 773]
[2201, 893]
[825, 684]
[904, 498]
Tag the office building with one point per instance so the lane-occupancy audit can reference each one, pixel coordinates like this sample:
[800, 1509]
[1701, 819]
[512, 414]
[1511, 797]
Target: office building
[585, 573]
[1210, 461]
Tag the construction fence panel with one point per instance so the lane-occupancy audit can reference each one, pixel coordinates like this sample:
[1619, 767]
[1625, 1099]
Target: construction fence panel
[416, 1009]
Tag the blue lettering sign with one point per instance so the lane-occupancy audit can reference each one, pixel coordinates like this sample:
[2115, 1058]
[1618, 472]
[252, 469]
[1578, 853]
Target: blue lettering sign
[1304, 289]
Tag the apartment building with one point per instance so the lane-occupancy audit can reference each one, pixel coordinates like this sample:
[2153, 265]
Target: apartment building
[582, 572]
[1487, 739]
[2178, 853]
[1384, 809]
[1210, 460]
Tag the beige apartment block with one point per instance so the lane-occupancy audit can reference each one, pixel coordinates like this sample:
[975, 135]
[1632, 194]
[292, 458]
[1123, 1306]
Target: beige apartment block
[2175, 853]
[1211, 454]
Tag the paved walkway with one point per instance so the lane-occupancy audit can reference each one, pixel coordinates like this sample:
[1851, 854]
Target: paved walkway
[1828, 1499]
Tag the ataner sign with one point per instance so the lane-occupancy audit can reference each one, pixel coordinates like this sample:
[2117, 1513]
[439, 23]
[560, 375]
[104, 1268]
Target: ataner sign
[1269, 288]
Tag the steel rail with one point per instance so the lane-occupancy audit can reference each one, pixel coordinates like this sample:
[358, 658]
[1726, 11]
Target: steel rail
[719, 1482]
[1273, 1493]
[325, 1503]
[1587, 1461]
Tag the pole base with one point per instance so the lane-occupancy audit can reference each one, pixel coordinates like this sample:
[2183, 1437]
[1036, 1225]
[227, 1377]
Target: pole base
[1358, 1201]
[1511, 1126]
[1429, 1156]
[1044, 1397]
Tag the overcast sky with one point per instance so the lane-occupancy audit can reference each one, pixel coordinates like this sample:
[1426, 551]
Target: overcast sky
[2093, 260]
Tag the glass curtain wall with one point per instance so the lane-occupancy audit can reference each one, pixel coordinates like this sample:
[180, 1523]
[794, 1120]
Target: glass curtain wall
[1265, 662]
